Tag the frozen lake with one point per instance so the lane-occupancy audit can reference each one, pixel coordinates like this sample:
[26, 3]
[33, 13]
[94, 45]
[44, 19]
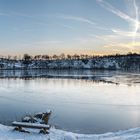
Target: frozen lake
[81, 101]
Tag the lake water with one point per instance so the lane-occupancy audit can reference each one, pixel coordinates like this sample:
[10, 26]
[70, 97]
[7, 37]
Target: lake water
[81, 101]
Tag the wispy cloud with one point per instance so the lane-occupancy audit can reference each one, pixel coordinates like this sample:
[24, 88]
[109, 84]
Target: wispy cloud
[101, 28]
[129, 46]
[41, 43]
[136, 24]
[115, 11]
[120, 40]
[93, 24]
[20, 14]
[66, 26]
[79, 19]
[3, 14]
[124, 33]
[132, 21]
[12, 13]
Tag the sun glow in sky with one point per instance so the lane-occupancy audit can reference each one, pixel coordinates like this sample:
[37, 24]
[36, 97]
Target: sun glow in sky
[69, 26]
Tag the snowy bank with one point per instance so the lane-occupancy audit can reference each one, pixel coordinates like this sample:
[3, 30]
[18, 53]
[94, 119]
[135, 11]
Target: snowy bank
[119, 62]
[7, 133]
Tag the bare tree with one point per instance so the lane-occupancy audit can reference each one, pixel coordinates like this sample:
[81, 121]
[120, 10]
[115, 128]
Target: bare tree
[62, 56]
[55, 57]
[69, 57]
[26, 57]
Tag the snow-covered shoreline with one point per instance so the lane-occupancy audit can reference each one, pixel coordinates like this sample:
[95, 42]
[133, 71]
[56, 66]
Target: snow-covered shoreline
[121, 62]
[7, 133]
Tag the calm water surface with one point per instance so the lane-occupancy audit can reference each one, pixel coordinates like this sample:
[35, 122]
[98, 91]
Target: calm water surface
[101, 102]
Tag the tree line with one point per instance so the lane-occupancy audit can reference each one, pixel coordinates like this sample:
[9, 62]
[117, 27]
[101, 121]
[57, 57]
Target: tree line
[27, 57]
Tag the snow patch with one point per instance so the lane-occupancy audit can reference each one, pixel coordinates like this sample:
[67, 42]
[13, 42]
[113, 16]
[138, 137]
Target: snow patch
[7, 133]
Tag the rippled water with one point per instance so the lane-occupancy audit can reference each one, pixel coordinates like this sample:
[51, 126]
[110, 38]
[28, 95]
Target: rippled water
[81, 101]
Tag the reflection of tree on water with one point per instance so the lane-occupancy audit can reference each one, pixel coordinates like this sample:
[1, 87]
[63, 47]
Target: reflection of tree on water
[26, 74]
[112, 77]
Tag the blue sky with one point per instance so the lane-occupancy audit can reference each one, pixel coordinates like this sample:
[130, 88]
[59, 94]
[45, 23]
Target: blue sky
[69, 26]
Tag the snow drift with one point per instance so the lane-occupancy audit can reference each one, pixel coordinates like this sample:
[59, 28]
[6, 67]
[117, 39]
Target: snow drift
[7, 133]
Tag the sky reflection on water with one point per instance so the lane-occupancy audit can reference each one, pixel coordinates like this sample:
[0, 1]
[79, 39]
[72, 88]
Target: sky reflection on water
[83, 106]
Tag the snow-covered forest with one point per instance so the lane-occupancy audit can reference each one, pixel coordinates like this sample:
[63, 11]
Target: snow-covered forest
[111, 62]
